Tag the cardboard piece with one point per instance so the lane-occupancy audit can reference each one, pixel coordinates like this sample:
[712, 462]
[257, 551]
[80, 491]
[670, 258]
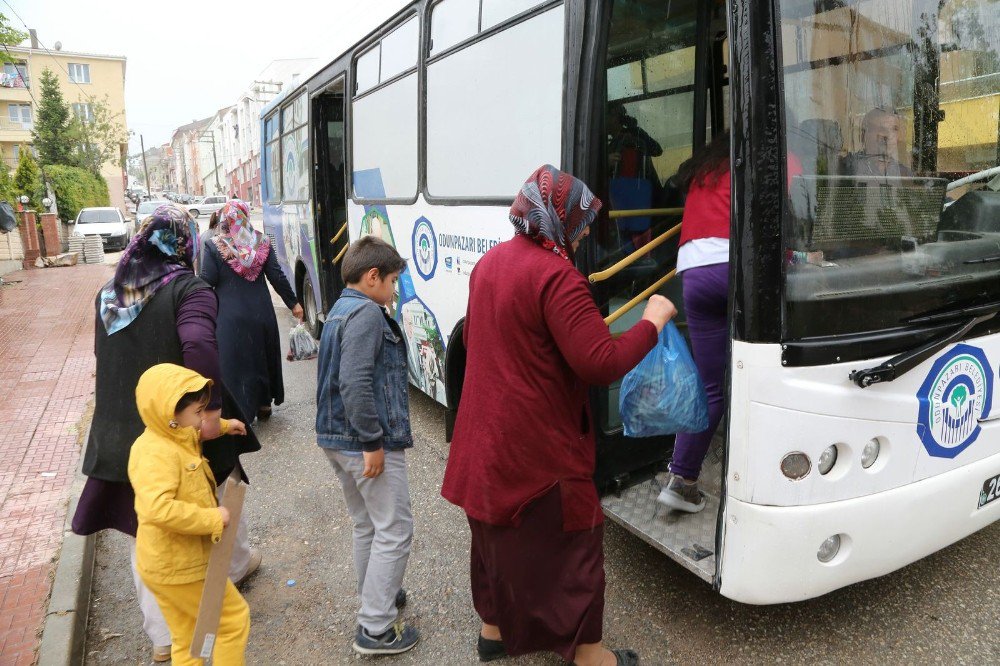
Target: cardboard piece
[210, 609]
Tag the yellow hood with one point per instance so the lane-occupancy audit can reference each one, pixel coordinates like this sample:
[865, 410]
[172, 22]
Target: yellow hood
[158, 392]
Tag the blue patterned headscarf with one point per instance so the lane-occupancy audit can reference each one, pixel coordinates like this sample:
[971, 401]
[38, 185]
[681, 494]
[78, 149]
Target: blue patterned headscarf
[553, 209]
[162, 249]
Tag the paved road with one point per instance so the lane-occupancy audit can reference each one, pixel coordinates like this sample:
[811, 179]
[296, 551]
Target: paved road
[942, 609]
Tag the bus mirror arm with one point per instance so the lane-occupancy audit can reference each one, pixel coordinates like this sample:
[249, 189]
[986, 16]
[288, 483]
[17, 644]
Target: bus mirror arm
[902, 363]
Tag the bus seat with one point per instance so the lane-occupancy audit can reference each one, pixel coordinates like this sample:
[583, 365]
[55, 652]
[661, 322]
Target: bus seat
[977, 211]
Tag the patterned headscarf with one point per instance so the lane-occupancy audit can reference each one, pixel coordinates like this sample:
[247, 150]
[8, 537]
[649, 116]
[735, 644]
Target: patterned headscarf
[553, 208]
[162, 249]
[243, 248]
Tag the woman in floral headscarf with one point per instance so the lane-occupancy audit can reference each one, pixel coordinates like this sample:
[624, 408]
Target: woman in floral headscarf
[236, 262]
[154, 310]
[521, 465]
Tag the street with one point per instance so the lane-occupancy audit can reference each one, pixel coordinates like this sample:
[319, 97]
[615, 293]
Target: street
[941, 609]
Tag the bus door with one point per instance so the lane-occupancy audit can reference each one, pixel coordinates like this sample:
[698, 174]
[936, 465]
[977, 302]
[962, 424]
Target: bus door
[664, 95]
[331, 198]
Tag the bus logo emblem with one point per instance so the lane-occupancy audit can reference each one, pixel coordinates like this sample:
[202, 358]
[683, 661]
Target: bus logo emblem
[956, 394]
[425, 248]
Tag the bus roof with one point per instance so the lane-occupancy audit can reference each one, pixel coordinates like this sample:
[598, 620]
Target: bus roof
[354, 26]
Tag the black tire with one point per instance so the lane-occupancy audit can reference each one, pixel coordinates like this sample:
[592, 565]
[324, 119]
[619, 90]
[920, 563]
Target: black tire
[310, 311]
[194, 212]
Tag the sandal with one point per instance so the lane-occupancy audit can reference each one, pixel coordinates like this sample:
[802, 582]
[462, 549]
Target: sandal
[263, 413]
[489, 649]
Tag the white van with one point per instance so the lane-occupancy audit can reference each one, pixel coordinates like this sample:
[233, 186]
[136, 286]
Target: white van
[110, 224]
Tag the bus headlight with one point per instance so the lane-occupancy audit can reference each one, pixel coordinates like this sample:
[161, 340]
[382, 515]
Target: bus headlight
[829, 549]
[870, 453]
[796, 465]
[827, 459]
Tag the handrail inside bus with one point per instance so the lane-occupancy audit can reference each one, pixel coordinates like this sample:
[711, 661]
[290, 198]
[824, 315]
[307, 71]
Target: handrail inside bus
[646, 293]
[340, 255]
[624, 263]
[340, 232]
[645, 212]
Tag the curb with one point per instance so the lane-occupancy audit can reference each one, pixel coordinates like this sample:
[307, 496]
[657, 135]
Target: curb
[65, 630]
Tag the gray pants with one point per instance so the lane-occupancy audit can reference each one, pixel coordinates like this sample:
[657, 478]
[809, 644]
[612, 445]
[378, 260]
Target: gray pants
[383, 531]
[153, 622]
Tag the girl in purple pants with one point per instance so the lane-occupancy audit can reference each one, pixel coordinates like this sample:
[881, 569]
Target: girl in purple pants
[703, 259]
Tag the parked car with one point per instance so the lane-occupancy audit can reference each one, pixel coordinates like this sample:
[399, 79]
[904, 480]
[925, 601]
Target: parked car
[146, 208]
[207, 206]
[110, 224]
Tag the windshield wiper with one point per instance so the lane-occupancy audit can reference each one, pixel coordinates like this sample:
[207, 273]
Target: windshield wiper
[903, 363]
[983, 260]
[959, 313]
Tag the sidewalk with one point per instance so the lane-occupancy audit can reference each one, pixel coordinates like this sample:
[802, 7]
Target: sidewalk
[47, 380]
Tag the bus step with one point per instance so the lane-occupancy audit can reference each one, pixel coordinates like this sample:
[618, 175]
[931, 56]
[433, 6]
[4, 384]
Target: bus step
[681, 536]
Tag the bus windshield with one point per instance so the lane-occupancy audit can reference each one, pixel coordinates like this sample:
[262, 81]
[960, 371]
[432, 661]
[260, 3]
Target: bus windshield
[891, 109]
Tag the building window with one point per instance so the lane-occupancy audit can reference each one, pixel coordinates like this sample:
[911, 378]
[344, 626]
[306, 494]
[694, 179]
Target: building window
[79, 73]
[84, 112]
[20, 114]
[15, 75]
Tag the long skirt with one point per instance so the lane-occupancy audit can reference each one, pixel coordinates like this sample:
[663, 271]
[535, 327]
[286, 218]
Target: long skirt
[542, 586]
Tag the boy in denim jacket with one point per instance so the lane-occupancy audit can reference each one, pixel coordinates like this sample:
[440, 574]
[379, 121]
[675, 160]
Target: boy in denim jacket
[363, 426]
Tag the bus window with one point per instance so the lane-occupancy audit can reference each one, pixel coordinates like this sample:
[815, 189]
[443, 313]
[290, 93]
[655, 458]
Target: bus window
[453, 21]
[496, 12]
[887, 105]
[384, 119]
[272, 160]
[295, 151]
[472, 95]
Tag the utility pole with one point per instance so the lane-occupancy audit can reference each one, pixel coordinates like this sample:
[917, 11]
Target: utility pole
[145, 169]
[215, 161]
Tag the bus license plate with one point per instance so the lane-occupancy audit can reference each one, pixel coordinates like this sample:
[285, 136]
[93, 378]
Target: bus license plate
[990, 492]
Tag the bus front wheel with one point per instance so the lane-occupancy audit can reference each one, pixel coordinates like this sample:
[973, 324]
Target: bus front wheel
[311, 319]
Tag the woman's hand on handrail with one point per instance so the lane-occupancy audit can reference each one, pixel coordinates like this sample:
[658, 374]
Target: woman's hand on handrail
[659, 310]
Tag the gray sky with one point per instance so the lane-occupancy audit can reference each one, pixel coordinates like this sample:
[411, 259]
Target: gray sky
[189, 58]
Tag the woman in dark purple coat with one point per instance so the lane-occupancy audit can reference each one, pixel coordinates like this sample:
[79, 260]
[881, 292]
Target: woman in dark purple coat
[154, 310]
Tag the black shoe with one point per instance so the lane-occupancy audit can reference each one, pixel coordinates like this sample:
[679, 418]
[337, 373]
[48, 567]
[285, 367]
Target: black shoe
[397, 639]
[623, 657]
[489, 649]
[626, 657]
[401, 598]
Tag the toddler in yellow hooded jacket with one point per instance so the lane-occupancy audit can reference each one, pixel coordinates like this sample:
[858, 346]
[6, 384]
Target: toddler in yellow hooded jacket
[179, 518]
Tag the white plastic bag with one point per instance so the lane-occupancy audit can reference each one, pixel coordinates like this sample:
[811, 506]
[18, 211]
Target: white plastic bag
[301, 344]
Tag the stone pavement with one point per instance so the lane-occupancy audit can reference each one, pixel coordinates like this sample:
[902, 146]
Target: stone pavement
[46, 385]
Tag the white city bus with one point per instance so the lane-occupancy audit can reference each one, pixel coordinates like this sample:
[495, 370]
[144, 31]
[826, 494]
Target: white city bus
[860, 434]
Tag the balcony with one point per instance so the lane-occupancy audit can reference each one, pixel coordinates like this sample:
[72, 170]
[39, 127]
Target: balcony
[13, 132]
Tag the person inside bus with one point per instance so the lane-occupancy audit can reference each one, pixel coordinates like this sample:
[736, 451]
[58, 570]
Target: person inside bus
[703, 260]
[522, 461]
[634, 182]
[880, 132]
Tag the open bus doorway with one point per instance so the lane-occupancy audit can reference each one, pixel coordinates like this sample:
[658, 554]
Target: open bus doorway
[665, 90]
[331, 187]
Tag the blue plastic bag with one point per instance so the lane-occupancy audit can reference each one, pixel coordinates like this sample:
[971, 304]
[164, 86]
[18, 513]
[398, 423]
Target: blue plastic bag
[663, 395]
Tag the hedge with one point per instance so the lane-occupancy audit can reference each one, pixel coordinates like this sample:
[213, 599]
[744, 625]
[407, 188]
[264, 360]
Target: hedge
[76, 188]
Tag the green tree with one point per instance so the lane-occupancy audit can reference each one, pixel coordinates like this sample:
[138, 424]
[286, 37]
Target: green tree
[98, 139]
[28, 180]
[53, 135]
[8, 192]
[9, 37]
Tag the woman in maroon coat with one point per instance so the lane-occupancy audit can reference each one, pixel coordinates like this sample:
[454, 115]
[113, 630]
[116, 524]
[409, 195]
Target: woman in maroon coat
[522, 456]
